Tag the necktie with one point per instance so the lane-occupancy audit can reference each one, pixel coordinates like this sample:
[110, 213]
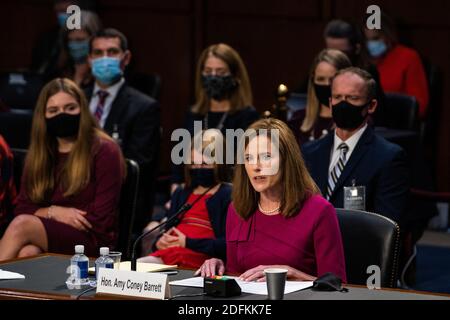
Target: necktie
[101, 104]
[337, 170]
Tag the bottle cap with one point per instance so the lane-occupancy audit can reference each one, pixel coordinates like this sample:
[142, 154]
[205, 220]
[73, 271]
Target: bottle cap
[79, 248]
[104, 251]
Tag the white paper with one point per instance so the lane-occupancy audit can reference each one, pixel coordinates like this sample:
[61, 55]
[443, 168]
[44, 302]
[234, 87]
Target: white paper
[7, 275]
[247, 287]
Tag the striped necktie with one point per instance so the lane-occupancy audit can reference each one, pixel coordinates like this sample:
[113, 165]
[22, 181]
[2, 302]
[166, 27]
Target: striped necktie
[101, 104]
[337, 170]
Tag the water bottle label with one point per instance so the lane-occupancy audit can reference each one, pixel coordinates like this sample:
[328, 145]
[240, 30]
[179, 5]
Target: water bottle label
[83, 265]
[109, 265]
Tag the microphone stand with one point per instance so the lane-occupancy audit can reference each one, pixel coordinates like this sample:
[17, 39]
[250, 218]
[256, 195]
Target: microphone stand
[184, 208]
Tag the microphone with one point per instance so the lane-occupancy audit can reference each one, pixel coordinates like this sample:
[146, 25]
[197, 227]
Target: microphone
[180, 211]
[185, 207]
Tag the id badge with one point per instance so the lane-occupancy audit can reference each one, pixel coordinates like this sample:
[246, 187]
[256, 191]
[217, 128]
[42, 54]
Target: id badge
[355, 198]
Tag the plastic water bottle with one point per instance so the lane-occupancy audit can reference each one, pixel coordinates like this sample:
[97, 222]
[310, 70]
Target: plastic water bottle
[81, 262]
[104, 261]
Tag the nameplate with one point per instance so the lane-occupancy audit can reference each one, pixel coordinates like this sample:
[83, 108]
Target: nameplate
[133, 284]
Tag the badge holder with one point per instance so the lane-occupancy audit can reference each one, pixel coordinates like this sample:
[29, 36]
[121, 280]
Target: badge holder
[355, 197]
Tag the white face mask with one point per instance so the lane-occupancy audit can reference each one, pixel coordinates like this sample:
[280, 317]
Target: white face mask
[376, 48]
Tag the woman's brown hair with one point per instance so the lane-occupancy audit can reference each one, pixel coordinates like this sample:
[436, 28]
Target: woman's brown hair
[338, 60]
[297, 183]
[241, 97]
[41, 157]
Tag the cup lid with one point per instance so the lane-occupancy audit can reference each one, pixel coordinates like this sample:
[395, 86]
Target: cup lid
[275, 270]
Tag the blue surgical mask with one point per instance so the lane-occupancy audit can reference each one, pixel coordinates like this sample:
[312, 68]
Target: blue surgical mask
[107, 70]
[376, 48]
[78, 50]
[62, 18]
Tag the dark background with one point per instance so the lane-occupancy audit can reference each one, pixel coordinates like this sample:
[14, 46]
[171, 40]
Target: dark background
[276, 39]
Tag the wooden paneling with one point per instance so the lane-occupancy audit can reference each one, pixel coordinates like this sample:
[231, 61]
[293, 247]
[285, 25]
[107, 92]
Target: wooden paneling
[276, 39]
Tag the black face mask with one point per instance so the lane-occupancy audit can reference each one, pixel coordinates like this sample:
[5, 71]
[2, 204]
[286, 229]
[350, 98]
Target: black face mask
[348, 116]
[219, 87]
[202, 177]
[323, 94]
[63, 125]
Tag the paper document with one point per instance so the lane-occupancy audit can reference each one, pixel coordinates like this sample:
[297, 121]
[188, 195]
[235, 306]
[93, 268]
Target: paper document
[8, 275]
[142, 267]
[247, 287]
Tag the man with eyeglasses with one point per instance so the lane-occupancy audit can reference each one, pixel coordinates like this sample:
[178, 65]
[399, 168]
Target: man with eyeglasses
[354, 167]
[129, 116]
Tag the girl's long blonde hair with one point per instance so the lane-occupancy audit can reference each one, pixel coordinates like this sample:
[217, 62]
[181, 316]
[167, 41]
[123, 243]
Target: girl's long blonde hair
[39, 180]
[337, 59]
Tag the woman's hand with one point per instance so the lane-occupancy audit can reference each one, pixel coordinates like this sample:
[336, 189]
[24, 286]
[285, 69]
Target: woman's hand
[71, 216]
[171, 238]
[210, 268]
[257, 274]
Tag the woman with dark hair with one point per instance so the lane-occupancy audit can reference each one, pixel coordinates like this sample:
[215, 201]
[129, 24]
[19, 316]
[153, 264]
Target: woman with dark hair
[349, 38]
[200, 233]
[401, 69]
[76, 44]
[277, 217]
[223, 95]
[71, 183]
[316, 120]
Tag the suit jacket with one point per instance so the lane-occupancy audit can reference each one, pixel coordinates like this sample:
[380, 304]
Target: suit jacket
[138, 119]
[375, 163]
[217, 207]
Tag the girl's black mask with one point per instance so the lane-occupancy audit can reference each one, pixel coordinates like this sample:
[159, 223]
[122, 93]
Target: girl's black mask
[63, 125]
[323, 94]
[219, 87]
[202, 177]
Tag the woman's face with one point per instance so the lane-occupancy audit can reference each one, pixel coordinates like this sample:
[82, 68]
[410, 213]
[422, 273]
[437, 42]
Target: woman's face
[262, 163]
[215, 67]
[197, 154]
[61, 102]
[323, 73]
[78, 35]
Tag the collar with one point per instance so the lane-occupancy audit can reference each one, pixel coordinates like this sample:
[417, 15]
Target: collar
[350, 142]
[112, 90]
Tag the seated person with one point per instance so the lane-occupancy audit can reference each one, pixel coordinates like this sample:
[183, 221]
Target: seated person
[76, 43]
[315, 121]
[71, 183]
[7, 185]
[277, 217]
[200, 233]
[223, 95]
[349, 38]
[129, 116]
[400, 67]
[354, 155]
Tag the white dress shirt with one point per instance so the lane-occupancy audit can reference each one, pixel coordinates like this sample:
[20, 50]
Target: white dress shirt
[112, 90]
[350, 142]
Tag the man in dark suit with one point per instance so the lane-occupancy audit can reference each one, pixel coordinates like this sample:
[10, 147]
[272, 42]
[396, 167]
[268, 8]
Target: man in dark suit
[354, 155]
[129, 116]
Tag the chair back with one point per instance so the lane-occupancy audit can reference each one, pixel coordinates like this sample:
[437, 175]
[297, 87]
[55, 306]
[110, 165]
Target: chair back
[15, 127]
[20, 90]
[150, 84]
[402, 111]
[127, 208]
[369, 239]
[295, 102]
